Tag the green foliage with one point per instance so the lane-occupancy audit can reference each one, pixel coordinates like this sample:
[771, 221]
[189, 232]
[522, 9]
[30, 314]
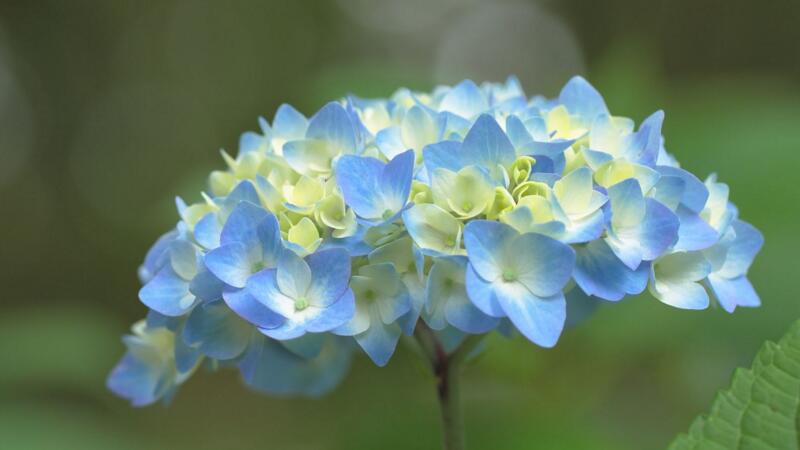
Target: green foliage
[762, 407]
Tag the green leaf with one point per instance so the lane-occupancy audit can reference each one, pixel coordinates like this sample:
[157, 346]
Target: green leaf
[760, 410]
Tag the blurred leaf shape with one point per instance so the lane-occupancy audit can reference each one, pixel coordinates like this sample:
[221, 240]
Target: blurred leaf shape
[66, 347]
[761, 408]
[45, 427]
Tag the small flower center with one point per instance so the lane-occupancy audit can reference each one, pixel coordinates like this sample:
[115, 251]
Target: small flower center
[301, 304]
[450, 242]
[509, 275]
[387, 214]
[369, 295]
[467, 206]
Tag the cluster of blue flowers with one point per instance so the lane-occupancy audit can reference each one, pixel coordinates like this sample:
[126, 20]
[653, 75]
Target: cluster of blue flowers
[471, 208]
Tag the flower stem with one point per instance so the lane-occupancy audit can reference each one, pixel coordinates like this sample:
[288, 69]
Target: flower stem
[450, 406]
[447, 369]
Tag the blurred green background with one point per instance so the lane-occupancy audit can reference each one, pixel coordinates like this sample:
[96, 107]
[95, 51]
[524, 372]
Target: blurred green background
[110, 108]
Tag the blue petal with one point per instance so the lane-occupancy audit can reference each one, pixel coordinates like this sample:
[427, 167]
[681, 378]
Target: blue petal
[543, 264]
[687, 295]
[628, 251]
[595, 158]
[186, 357]
[308, 155]
[360, 131]
[358, 324]
[539, 142]
[217, 331]
[694, 232]
[419, 261]
[487, 145]
[452, 126]
[230, 263]
[354, 244]
[207, 231]
[433, 313]
[359, 178]
[288, 330]
[332, 124]
[269, 237]
[394, 308]
[416, 293]
[183, 258]
[289, 124]
[582, 98]
[584, 230]
[544, 165]
[389, 142]
[674, 280]
[538, 319]
[243, 192]
[445, 285]
[463, 315]
[734, 292]
[396, 181]
[251, 142]
[658, 231]
[443, 155]
[157, 256]
[157, 320]
[242, 223]
[486, 242]
[180, 205]
[167, 293]
[517, 132]
[553, 150]
[379, 341]
[134, 380]
[599, 272]
[695, 192]
[465, 99]
[391, 304]
[420, 126]
[293, 276]
[330, 275]
[264, 125]
[206, 286]
[263, 286]
[408, 321]
[334, 315]
[742, 251]
[648, 140]
[669, 191]
[269, 367]
[536, 125]
[482, 294]
[627, 203]
[249, 308]
[307, 346]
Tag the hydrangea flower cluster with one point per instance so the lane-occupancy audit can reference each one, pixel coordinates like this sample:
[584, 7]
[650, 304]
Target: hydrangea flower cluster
[466, 210]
